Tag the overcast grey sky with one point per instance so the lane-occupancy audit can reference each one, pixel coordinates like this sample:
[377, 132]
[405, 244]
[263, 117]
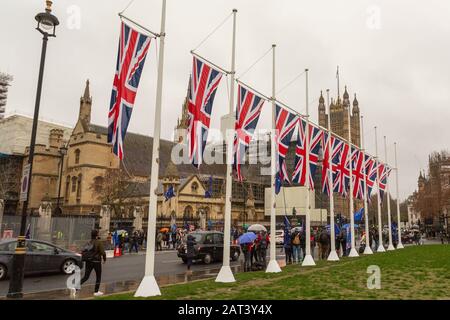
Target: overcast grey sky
[393, 54]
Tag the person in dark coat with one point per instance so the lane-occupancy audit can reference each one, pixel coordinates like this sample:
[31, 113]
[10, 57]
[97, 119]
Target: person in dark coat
[96, 262]
[190, 250]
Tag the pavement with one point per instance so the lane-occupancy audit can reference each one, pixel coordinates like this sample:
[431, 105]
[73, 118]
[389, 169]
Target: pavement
[122, 274]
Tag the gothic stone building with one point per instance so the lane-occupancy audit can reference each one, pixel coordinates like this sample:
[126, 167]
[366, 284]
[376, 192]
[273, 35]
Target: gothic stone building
[89, 163]
[339, 110]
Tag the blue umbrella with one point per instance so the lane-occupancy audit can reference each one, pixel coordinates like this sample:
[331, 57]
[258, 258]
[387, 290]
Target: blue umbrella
[247, 238]
[348, 225]
[336, 229]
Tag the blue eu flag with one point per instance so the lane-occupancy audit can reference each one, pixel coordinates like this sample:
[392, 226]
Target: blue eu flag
[169, 194]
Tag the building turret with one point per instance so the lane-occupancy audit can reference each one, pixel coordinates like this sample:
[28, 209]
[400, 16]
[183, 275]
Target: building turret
[86, 105]
[322, 111]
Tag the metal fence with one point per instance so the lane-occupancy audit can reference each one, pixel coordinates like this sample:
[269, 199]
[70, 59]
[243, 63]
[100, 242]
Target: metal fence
[67, 232]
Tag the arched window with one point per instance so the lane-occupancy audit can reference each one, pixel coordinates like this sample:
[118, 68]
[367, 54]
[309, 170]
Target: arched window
[194, 187]
[79, 187]
[77, 156]
[98, 184]
[74, 184]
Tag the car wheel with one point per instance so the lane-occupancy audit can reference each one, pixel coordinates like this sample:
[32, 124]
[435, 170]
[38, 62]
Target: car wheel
[68, 267]
[3, 272]
[235, 256]
[207, 259]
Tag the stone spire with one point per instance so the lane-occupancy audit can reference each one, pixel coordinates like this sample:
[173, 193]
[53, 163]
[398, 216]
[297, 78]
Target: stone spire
[85, 106]
[355, 105]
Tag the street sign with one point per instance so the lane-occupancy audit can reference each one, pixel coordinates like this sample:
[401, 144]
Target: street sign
[25, 183]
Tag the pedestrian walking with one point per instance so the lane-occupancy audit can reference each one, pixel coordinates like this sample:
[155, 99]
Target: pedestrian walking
[190, 250]
[92, 255]
[134, 242]
[159, 240]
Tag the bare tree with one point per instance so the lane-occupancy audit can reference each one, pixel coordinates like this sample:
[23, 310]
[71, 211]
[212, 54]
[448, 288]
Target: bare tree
[10, 174]
[117, 190]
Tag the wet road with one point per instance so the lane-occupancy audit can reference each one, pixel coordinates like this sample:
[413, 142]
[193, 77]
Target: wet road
[128, 267]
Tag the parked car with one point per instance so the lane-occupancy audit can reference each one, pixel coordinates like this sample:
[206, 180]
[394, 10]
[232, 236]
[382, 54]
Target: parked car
[41, 257]
[209, 247]
[279, 237]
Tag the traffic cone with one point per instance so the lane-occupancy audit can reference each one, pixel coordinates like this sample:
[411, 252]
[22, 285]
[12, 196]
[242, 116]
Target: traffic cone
[117, 252]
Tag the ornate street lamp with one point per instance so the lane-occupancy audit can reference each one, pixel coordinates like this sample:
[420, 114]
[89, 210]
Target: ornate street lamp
[46, 26]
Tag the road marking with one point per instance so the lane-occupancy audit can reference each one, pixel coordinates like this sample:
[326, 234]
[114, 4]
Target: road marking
[171, 261]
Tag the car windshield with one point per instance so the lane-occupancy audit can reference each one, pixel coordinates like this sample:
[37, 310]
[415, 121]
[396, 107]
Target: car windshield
[8, 246]
[197, 236]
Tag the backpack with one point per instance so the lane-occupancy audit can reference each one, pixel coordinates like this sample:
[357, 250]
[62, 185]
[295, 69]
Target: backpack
[296, 240]
[89, 253]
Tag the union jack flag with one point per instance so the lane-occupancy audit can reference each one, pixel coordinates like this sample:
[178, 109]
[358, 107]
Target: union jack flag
[336, 148]
[384, 171]
[341, 178]
[358, 173]
[133, 48]
[285, 125]
[202, 91]
[371, 175]
[247, 116]
[315, 139]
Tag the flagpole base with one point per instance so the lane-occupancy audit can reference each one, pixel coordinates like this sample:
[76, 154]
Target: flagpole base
[353, 253]
[390, 247]
[273, 267]
[368, 250]
[148, 288]
[225, 275]
[308, 261]
[333, 256]
[381, 249]
[400, 246]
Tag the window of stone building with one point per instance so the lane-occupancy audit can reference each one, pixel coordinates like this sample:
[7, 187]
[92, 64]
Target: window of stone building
[98, 184]
[74, 184]
[194, 187]
[77, 156]
[79, 187]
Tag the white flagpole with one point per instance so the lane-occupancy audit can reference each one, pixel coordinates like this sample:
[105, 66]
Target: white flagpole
[149, 287]
[399, 230]
[273, 266]
[380, 224]
[367, 249]
[225, 274]
[308, 260]
[353, 253]
[333, 256]
[388, 198]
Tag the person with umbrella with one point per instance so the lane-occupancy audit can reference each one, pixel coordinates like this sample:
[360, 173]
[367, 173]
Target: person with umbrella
[246, 243]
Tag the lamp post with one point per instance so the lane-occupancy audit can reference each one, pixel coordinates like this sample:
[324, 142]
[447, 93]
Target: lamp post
[63, 153]
[46, 26]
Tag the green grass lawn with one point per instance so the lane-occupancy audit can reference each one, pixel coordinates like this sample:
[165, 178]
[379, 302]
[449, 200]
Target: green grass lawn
[419, 272]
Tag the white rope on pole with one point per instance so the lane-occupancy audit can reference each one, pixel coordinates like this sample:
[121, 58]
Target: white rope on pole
[254, 64]
[212, 32]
